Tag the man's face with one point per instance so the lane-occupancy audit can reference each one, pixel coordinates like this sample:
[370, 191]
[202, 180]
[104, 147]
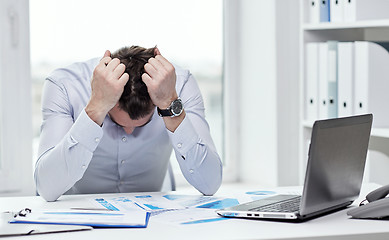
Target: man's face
[122, 119]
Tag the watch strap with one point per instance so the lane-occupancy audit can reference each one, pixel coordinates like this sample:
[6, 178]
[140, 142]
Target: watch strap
[164, 112]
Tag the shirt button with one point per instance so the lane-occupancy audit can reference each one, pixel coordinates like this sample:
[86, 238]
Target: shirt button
[191, 171]
[179, 145]
[123, 161]
[97, 140]
[124, 139]
[83, 166]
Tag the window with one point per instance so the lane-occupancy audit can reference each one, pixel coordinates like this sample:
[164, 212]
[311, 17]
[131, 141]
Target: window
[15, 116]
[188, 33]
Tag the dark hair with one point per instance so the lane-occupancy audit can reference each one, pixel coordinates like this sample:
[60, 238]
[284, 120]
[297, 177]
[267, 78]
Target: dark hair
[135, 99]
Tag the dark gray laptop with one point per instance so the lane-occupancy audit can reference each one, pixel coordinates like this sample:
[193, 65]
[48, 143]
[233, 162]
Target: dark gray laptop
[336, 162]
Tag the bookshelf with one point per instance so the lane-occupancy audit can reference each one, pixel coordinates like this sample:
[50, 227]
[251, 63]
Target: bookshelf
[369, 30]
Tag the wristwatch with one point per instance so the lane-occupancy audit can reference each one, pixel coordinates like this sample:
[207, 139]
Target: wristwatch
[174, 110]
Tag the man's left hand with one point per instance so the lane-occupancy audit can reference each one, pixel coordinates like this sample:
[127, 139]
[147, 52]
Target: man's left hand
[160, 79]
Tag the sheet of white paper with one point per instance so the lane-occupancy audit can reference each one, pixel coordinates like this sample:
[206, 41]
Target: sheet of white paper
[189, 216]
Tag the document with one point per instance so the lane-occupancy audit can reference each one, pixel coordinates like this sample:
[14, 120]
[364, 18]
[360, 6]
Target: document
[189, 216]
[93, 218]
[7, 229]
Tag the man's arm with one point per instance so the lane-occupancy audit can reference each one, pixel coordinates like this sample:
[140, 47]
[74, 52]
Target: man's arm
[66, 147]
[189, 132]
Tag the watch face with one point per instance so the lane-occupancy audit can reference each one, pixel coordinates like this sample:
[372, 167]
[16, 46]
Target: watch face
[176, 107]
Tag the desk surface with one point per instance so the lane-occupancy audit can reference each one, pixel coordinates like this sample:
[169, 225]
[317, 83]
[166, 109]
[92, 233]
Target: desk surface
[337, 225]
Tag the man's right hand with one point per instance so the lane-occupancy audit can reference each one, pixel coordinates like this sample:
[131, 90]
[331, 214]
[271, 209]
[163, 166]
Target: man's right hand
[108, 83]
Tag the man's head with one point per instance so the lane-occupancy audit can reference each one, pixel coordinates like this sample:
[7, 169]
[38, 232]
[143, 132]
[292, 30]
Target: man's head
[135, 99]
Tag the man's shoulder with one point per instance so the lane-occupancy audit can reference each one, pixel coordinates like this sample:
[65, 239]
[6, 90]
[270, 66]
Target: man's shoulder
[78, 71]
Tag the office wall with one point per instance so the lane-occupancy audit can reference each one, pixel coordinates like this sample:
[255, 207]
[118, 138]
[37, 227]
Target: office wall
[267, 76]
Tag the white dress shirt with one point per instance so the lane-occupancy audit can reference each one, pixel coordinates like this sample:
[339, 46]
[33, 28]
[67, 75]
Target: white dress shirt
[78, 156]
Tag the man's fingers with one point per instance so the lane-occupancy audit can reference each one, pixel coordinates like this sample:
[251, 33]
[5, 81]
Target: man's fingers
[146, 79]
[156, 64]
[104, 61]
[113, 64]
[107, 54]
[119, 70]
[163, 61]
[150, 70]
[156, 51]
[124, 78]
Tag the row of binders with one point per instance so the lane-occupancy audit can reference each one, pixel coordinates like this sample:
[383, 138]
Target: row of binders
[347, 10]
[347, 78]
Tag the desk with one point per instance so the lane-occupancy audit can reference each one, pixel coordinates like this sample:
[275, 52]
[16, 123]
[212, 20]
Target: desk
[334, 226]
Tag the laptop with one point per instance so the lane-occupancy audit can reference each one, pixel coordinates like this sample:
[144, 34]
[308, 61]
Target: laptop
[336, 162]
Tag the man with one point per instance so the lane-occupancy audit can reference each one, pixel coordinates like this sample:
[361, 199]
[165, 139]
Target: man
[109, 125]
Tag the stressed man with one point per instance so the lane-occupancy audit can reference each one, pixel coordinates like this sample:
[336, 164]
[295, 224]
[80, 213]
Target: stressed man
[110, 124]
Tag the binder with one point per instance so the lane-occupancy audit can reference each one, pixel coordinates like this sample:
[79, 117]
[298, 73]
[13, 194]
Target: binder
[371, 81]
[345, 78]
[359, 10]
[323, 80]
[336, 10]
[311, 81]
[314, 11]
[332, 79]
[324, 10]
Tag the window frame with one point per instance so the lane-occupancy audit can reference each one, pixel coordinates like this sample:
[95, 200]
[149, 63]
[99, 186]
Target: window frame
[15, 98]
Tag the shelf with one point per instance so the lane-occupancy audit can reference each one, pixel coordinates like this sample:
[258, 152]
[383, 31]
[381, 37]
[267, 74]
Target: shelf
[380, 132]
[375, 132]
[307, 124]
[346, 25]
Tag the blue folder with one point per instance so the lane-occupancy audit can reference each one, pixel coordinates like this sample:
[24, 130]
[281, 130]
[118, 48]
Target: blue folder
[325, 11]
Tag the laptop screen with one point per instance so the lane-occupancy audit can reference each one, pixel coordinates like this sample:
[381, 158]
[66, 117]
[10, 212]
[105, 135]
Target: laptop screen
[336, 163]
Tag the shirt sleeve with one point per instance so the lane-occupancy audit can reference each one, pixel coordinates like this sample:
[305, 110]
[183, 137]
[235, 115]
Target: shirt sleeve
[66, 145]
[193, 145]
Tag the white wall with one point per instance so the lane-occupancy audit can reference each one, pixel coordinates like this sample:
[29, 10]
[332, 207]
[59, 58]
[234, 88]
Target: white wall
[258, 87]
[265, 55]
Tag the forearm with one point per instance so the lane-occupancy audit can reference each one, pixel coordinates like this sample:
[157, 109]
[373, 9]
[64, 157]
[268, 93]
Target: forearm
[64, 163]
[202, 169]
[60, 168]
[197, 156]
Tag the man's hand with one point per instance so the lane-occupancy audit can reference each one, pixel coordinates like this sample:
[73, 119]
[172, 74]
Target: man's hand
[108, 83]
[160, 79]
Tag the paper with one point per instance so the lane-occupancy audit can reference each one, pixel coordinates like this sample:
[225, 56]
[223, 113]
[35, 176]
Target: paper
[136, 218]
[189, 216]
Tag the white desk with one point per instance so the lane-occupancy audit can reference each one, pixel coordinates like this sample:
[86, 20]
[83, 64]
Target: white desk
[334, 226]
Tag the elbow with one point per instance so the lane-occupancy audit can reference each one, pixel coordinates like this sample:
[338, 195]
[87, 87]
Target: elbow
[213, 186]
[48, 196]
[44, 191]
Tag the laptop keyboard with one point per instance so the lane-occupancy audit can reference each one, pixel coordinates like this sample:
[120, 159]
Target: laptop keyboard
[290, 205]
